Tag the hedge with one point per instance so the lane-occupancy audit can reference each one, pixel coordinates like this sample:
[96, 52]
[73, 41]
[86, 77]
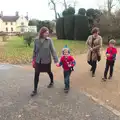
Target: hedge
[60, 28]
[81, 28]
[69, 27]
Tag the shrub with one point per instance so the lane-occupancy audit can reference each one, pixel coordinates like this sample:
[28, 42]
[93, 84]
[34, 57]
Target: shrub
[82, 11]
[69, 11]
[4, 36]
[69, 27]
[81, 29]
[60, 28]
[28, 38]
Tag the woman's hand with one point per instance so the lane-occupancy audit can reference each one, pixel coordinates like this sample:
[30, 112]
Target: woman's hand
[57, 64]
[91, 49]
[33, 64]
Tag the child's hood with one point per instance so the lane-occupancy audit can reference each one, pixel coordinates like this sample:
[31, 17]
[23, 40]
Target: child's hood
[66, 47]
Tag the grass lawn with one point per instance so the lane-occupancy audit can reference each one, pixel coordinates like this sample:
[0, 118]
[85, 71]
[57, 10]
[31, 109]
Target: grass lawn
[16, 52]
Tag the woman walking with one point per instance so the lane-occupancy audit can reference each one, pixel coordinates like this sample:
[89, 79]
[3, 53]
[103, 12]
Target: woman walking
[43, 49]
[94, 43]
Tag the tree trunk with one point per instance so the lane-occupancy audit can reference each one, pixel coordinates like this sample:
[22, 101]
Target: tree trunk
[65, 4]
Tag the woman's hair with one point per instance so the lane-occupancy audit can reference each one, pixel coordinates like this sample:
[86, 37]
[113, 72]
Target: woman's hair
[42, 31]
[95, 30]
[112, 41]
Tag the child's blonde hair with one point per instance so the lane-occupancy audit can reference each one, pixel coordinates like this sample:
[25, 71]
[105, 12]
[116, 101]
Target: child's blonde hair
[112, 41]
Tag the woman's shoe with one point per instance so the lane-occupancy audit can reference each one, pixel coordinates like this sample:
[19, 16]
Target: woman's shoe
[93, 75]
[50, 85]
[110, 77]
[104, 79]
[33, 93]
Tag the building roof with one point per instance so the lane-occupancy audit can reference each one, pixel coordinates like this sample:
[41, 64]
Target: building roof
[9, 18]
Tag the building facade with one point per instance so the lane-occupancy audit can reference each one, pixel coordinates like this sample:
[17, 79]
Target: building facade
[15, 23]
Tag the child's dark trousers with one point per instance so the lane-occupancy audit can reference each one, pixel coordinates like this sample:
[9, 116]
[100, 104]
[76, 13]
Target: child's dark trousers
[109, 65]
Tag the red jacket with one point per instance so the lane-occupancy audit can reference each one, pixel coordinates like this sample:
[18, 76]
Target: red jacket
[112, 51]
[65, 62]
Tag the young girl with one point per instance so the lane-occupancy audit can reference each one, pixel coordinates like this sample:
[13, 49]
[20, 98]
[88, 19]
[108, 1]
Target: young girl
[110, 61]
[67, 62]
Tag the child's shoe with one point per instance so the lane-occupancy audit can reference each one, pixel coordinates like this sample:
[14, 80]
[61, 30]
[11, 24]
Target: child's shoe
[66, 90]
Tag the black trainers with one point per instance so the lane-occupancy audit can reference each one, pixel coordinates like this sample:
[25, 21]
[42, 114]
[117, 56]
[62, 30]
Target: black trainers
[33, 93]
[66, 90]
[50, 85]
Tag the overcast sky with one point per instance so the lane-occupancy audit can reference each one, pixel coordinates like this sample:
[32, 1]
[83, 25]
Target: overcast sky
[39, 8]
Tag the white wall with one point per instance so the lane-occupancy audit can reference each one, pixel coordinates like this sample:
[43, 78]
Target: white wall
[1, 29]
[32, 29]
[9, 26]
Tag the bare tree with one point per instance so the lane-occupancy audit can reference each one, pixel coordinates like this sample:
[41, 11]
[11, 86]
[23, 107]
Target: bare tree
[65, 4]
[110, 5]
[52, 4]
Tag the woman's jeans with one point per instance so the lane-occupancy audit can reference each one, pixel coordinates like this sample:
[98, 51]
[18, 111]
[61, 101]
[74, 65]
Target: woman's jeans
[67, 78]
[93, 65]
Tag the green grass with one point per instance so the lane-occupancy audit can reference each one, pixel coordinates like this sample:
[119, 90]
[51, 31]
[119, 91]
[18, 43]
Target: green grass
[16, 52]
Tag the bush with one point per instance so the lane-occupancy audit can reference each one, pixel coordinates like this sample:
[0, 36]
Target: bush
[82, 11]
[69, 11]
[118, 42]
[28, 38]
[69, 27]
[60, 28]
[81, 29]
[4, 36]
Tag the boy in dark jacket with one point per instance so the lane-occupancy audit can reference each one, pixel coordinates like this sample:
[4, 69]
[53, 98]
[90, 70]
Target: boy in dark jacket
[67, 62]
[111, 57]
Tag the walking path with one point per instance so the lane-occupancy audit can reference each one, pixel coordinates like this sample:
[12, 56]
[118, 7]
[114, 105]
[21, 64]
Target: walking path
[108, 92]
[16, 84]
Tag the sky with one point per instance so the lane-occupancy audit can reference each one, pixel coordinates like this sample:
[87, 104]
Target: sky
[39, 8]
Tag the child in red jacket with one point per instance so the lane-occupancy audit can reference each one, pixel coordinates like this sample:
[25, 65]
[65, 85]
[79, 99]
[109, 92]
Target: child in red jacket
[67, 62]
[111, 57]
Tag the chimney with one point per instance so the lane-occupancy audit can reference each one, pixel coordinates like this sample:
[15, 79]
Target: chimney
[1, 13]
[17, 13]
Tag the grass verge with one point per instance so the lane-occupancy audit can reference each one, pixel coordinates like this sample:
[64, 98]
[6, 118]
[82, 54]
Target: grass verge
[16, 52]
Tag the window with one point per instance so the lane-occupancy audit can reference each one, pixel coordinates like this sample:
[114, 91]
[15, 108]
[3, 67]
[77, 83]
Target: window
[22, 24]
[11, 23]
[11, 29]
[6, 29]
[6, 23]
